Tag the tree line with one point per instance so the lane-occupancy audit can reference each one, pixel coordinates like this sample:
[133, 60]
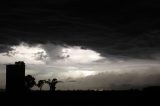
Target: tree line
[30, 82]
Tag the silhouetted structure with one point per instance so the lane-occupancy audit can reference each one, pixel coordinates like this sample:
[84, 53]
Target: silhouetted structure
[15, 77]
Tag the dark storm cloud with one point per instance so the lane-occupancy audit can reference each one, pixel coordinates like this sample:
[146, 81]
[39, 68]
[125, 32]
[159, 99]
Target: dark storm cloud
[112, 28]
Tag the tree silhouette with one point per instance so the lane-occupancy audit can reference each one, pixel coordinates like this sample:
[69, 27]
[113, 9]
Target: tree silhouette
[52, 84]
[40, 84]
[29, 82]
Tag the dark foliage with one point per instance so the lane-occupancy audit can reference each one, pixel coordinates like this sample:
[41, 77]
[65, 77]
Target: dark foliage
[29, 82]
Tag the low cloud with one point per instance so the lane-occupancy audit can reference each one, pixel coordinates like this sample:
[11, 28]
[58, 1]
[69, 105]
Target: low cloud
[115, 81]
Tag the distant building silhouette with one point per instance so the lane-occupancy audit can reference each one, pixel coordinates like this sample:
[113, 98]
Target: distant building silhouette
[15, 77]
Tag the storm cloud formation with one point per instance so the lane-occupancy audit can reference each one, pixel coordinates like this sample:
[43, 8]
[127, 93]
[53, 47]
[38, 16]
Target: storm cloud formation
[116, 28]
[117, 31]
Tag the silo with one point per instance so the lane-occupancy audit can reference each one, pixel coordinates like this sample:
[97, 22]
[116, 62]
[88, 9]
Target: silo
[15, 77]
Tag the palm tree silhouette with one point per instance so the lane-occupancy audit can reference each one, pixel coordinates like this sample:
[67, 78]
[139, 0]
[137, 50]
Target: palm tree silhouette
[52, 84]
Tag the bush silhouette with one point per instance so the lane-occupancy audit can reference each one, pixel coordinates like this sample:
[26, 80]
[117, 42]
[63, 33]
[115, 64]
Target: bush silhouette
[29, 82]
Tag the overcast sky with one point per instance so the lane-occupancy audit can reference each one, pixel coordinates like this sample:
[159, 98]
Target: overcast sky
[88, 45]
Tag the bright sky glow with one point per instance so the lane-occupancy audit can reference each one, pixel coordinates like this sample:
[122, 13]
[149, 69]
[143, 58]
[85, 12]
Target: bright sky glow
[65, 58]
[23, 52]
[78, 55]
[77, 74]
[73, 63]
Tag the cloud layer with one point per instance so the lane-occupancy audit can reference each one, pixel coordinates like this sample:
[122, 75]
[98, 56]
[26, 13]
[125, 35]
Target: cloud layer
[75, 39]
[114, 81]
[67, 63]
[129, 29]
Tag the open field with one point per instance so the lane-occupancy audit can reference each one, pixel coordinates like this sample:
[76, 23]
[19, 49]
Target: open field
[82, 97]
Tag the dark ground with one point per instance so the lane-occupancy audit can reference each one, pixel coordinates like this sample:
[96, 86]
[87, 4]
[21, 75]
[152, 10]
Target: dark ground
[128, 97]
